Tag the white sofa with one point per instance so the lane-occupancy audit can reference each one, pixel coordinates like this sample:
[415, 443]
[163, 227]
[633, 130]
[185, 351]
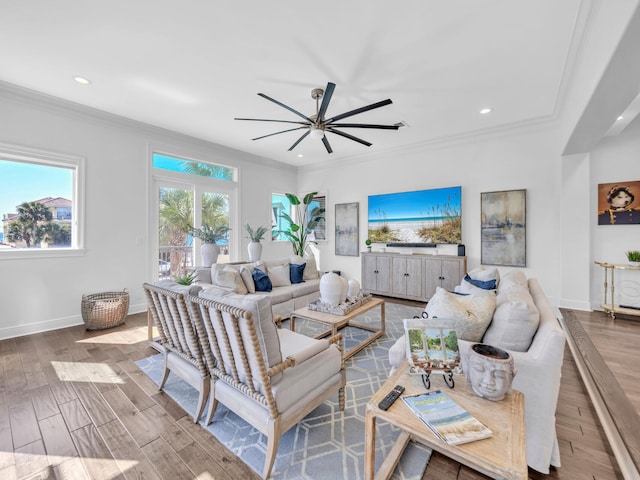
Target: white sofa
[538, 377]
[284, 298]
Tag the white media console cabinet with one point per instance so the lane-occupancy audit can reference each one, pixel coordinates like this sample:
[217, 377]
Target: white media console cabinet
[413, 276]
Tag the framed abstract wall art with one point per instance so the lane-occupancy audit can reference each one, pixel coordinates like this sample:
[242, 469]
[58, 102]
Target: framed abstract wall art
[619, 203]
[503, 228]
[347, 229]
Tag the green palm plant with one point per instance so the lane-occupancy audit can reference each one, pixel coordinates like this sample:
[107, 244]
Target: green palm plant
[298, 233]
[209, 234]
[257, 234]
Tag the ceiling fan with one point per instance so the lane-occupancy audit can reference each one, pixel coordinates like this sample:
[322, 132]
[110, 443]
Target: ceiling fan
[317, 125]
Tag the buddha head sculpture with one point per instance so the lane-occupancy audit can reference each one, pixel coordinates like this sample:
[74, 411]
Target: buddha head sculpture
[490, 371]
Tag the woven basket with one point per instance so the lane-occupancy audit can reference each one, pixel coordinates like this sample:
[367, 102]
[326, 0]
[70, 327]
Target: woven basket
[105, 310]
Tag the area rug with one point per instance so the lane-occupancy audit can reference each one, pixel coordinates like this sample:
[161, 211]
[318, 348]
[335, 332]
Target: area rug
[327, 444]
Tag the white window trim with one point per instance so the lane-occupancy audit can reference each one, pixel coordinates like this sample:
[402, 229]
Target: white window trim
[55, 159]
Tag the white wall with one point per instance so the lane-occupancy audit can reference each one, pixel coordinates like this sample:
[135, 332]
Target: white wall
[44, 294]
[529, 160]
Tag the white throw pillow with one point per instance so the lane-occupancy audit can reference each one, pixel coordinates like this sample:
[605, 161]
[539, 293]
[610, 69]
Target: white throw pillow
[513, 277]
[279, 275]
[229, 277]
[515, 320]
[472, 313]
[247, 278]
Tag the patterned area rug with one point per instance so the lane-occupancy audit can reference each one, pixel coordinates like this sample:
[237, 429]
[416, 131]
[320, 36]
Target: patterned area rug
[327, 444]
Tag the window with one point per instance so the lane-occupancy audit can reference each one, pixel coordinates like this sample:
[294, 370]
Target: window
[40, 202]
[280, 204]
[189, 194]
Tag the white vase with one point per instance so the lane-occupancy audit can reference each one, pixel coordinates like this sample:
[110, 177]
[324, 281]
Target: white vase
[209, 253]
[354, 288]
[331, 288]
[255, 251]
[344, 289]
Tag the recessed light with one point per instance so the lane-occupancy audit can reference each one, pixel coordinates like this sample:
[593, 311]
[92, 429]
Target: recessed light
[300, 155]
[620, 118]
[486, 110]
[81, 80]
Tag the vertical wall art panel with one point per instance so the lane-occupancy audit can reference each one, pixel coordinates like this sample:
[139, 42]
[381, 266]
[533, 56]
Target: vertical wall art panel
[619, 203]
[503, 224]
[347, 229]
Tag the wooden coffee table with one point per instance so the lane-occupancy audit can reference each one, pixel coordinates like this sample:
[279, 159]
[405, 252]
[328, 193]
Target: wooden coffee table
[337, 322]
[503, 456]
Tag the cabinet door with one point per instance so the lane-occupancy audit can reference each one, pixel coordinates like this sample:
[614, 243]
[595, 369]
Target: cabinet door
[369, 276]
[414, 278]
[452, 273]
[432, 274]
[399, 276]
[384, 274]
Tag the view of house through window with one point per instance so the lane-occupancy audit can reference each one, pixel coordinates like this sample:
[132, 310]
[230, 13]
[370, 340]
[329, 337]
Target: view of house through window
[36, 202]
[183, 207]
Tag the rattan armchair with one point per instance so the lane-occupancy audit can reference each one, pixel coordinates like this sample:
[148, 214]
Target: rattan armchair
[270, 377]
[178, 338]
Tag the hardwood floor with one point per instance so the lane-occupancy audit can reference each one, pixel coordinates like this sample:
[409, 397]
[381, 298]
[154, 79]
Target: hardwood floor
[73, 405]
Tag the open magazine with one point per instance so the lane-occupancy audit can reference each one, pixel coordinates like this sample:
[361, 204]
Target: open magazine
[432, 346]
[446, 419]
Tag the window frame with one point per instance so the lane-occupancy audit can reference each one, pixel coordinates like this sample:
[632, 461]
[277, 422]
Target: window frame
[77, 164]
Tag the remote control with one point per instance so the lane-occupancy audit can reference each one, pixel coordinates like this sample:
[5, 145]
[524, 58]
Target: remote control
[391, 397]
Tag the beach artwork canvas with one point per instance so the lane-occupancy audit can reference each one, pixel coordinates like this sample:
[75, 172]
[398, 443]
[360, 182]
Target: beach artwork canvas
[503, 228]
[421, 216]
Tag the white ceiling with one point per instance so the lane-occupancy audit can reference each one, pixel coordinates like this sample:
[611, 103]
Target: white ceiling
[192, 66]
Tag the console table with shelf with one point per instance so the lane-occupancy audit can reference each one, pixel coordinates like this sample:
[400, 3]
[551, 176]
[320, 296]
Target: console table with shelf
[413, 277]
[610, 307]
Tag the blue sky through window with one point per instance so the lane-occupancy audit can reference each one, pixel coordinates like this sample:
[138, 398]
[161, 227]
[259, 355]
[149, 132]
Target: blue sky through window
[25, 182]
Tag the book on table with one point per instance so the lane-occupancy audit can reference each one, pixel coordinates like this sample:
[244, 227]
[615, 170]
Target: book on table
[446, 419]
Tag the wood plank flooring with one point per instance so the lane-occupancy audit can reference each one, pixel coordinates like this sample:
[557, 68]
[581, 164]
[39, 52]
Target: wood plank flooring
[73, 405]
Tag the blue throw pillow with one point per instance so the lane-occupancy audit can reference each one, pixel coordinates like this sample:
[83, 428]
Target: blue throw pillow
[485, 285]
[262, 280]
[296, 271]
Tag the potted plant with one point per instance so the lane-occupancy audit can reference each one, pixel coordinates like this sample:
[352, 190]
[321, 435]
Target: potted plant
[255, 247]
[298, 233]
[634, 258]
[187, 278]
[367, 242]
[210, 236]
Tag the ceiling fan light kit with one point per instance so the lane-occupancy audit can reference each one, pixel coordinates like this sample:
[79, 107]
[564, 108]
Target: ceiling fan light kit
[316, 126]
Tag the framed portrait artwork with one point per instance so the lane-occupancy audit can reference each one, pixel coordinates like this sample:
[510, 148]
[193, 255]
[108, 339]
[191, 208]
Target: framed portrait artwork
[619, 203]
[503, 228]
[347, 229]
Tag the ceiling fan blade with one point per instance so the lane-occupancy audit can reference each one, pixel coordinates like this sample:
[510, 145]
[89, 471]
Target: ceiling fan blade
[326, 98]
[350, 137]
[360, 110]
[278, 133]
[269, 120]
[285, 106]
[299, 140]
[326, 144]
[364, 125]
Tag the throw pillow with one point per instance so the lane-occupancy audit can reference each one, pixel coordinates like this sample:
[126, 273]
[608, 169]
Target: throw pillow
[483, 284]
[482, 273]
[311, 270]
[472, 313]
[230, 277]
[279, 275]
[468, 288]
[261, 280]
[247, 278]
[515, 320]
[513, 277]
[296, 272]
